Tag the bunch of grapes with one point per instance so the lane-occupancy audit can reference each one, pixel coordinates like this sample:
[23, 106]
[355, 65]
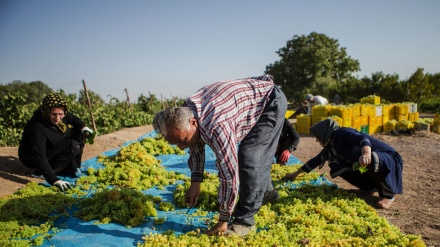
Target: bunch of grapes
[126, 206]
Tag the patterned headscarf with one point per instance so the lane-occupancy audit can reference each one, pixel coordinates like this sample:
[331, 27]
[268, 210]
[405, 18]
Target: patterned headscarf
[54, 100]
[323, 130]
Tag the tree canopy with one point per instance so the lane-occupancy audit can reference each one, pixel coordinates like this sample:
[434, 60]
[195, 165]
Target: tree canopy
[34, 90]
[310, 60]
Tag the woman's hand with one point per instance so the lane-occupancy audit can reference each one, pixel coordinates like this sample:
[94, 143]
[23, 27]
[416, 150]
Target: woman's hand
[292, 176]
[218, 229]
[365, 158]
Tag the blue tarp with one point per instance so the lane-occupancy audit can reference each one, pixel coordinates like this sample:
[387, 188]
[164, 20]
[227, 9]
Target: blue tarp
[76, 232]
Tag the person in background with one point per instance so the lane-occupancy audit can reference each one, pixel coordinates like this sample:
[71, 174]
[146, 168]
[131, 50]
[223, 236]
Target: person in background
[288, 143]
[248, 111]
[349, 152]
[337, 100]
[52, 141]
[311, 101]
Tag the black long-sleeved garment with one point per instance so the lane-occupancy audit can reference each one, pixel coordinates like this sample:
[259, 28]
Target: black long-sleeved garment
[44, 147]
[289, 138]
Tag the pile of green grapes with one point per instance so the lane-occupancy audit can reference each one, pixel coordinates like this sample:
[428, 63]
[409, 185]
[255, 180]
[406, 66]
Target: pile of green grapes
[27, 216]
[134, 166]
[125, 206]
[305, 215]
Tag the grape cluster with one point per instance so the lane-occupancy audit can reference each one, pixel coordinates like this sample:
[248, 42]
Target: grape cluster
[126, 206]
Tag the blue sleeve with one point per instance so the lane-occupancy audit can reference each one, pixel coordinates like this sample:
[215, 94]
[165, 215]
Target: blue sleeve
[318, 160]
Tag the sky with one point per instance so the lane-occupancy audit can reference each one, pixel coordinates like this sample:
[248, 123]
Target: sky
[172, 48]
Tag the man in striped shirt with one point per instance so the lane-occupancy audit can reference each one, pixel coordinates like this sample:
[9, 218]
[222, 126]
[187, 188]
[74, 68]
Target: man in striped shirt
[247, 111]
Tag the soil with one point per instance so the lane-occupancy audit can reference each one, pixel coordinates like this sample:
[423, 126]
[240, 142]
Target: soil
[416, 211]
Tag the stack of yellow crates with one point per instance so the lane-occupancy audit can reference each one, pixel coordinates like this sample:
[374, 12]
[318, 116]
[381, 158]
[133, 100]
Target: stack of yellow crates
[387, 113]
[401, 112]
[303, 124]
[320, 112]
[345, 113]
[374, 124]
[368, 116]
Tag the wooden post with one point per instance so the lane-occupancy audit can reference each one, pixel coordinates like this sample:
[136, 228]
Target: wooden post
[128, 98]
[90, 105]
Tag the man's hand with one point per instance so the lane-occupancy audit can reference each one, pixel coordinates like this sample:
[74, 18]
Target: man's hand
[63, 185]
[218, 229]
[192, 194]
[284, 157]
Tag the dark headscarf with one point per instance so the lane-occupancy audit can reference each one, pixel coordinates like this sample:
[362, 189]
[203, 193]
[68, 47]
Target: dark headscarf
[323, 130]
[54, 100]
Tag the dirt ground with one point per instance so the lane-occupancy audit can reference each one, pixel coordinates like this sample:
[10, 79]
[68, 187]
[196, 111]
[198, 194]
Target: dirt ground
[416, 211]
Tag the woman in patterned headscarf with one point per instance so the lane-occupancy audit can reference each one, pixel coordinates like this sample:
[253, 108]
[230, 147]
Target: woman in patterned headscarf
[52, 141]
[345, 148]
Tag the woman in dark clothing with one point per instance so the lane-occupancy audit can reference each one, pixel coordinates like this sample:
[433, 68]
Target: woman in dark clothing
[52, 141]
[289, 140]
[345, 147]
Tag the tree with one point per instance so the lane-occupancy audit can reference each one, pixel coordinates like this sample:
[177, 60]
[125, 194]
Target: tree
[305, 59]
[34, 91]
[387, 87]
[418, 87]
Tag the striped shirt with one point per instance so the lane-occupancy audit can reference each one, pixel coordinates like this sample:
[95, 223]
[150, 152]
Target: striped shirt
[226, 112]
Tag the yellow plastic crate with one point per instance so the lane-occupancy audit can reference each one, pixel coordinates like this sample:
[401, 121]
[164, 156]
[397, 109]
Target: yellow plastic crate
[346, 122]
[321, 110]
[289, 113]
[303, 121]
[342, 111]
[376, 121]
[364, 120]
[364, 110]
[386, 109]
[401, 109]
[371, 99]
[356, 110]
[371, 110]
[356, 122]
[413, 116]
[401, 118]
